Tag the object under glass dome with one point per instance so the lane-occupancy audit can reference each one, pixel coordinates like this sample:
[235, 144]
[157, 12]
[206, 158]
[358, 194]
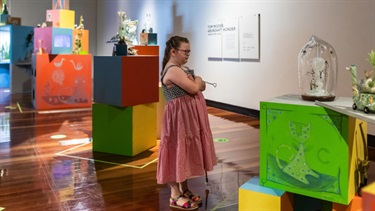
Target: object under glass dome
[317, 70]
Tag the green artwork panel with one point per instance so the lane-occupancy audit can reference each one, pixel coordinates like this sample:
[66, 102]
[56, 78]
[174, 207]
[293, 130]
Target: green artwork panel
[304, 150]
[112, 129]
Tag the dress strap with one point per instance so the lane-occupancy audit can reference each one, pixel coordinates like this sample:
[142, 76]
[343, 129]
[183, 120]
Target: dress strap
[165, 72]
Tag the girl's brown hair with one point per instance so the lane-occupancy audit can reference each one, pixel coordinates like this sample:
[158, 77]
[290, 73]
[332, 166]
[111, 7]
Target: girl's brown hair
[173, 43]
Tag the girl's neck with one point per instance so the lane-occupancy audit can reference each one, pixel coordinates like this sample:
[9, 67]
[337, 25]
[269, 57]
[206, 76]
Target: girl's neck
[174, 63]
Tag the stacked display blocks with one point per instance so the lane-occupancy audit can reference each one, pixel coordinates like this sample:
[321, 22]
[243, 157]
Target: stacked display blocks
[125, 96]
[126, 80]
[368, 197]
[309, 150]
[53, 40]
[252, 196]
[123, 130]
[62, 81]
[60, 36]
[154, 50]
[61, 18]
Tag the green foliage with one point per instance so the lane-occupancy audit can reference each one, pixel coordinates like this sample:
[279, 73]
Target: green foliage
[371, 59]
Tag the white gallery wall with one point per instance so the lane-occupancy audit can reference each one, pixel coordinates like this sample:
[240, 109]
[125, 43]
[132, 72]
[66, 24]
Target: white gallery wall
[285, 27]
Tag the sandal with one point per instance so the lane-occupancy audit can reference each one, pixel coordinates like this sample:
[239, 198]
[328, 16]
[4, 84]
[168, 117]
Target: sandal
[186, 206]
[192, 196]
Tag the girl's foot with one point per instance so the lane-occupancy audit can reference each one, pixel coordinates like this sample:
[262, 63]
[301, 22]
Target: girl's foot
[183, 203]
[192, 196]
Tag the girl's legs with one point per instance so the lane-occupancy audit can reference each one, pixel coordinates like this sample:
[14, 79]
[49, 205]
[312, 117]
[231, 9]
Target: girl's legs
[183, 186]
[175, 189]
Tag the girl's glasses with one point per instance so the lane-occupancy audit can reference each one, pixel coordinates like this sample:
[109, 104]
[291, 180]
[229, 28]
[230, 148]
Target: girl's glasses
[187, 52]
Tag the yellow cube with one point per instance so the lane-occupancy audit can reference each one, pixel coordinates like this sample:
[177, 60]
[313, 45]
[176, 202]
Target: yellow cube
[61, 18]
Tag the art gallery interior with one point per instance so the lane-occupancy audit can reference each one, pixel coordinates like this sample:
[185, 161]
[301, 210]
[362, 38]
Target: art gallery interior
[288, 91]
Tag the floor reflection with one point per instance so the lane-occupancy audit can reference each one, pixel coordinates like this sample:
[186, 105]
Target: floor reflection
[4, 127]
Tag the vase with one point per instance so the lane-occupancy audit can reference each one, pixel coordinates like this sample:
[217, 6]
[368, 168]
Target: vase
[121, 50]
[5, 10]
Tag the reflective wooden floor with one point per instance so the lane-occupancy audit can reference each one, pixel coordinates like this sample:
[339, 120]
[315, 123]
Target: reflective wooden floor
[46, 163]
[40, 172]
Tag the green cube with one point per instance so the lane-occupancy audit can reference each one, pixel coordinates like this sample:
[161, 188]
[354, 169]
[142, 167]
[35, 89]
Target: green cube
[123, 130]
[307, 149]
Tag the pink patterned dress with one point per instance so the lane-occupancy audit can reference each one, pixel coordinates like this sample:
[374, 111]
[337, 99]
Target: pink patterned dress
[186, 147]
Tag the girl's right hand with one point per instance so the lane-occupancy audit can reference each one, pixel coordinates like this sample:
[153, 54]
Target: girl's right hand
[202, 84]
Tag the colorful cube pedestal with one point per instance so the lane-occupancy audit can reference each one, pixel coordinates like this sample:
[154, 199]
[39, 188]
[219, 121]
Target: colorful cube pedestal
[62, 81]
[52, 40]
[252, 196]
[61, 18]
[83, 36]
[309, 150]
[123, 130]
[147, 50]
[368, 197]
[126, 80]
[354, 205]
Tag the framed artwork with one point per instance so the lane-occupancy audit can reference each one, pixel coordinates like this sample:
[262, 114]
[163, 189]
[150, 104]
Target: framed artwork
[249, 36]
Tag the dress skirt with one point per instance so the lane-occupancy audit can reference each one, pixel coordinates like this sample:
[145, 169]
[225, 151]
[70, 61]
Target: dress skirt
[186, 146]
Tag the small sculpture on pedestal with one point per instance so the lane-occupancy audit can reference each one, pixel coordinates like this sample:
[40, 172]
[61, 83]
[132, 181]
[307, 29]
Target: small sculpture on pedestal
[364, 91]
[126, 35]
[317, 70]
[147, 37]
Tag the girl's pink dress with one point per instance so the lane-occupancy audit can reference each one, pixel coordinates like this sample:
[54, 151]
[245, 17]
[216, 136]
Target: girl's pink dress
[186, 145]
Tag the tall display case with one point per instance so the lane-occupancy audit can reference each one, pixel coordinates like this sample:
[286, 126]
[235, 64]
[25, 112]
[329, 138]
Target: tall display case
[16, 48]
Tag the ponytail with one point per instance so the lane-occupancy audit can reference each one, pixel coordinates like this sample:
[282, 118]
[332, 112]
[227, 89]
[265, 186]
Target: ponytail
[173, 43]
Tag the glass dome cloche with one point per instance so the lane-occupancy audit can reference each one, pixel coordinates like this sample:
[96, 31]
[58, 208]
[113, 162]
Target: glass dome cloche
[317, 70]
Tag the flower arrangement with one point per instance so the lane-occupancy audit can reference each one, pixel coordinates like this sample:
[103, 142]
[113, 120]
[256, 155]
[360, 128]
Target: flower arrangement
[368, 83]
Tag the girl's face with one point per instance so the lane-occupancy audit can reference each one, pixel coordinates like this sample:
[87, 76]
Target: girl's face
[182, 53]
